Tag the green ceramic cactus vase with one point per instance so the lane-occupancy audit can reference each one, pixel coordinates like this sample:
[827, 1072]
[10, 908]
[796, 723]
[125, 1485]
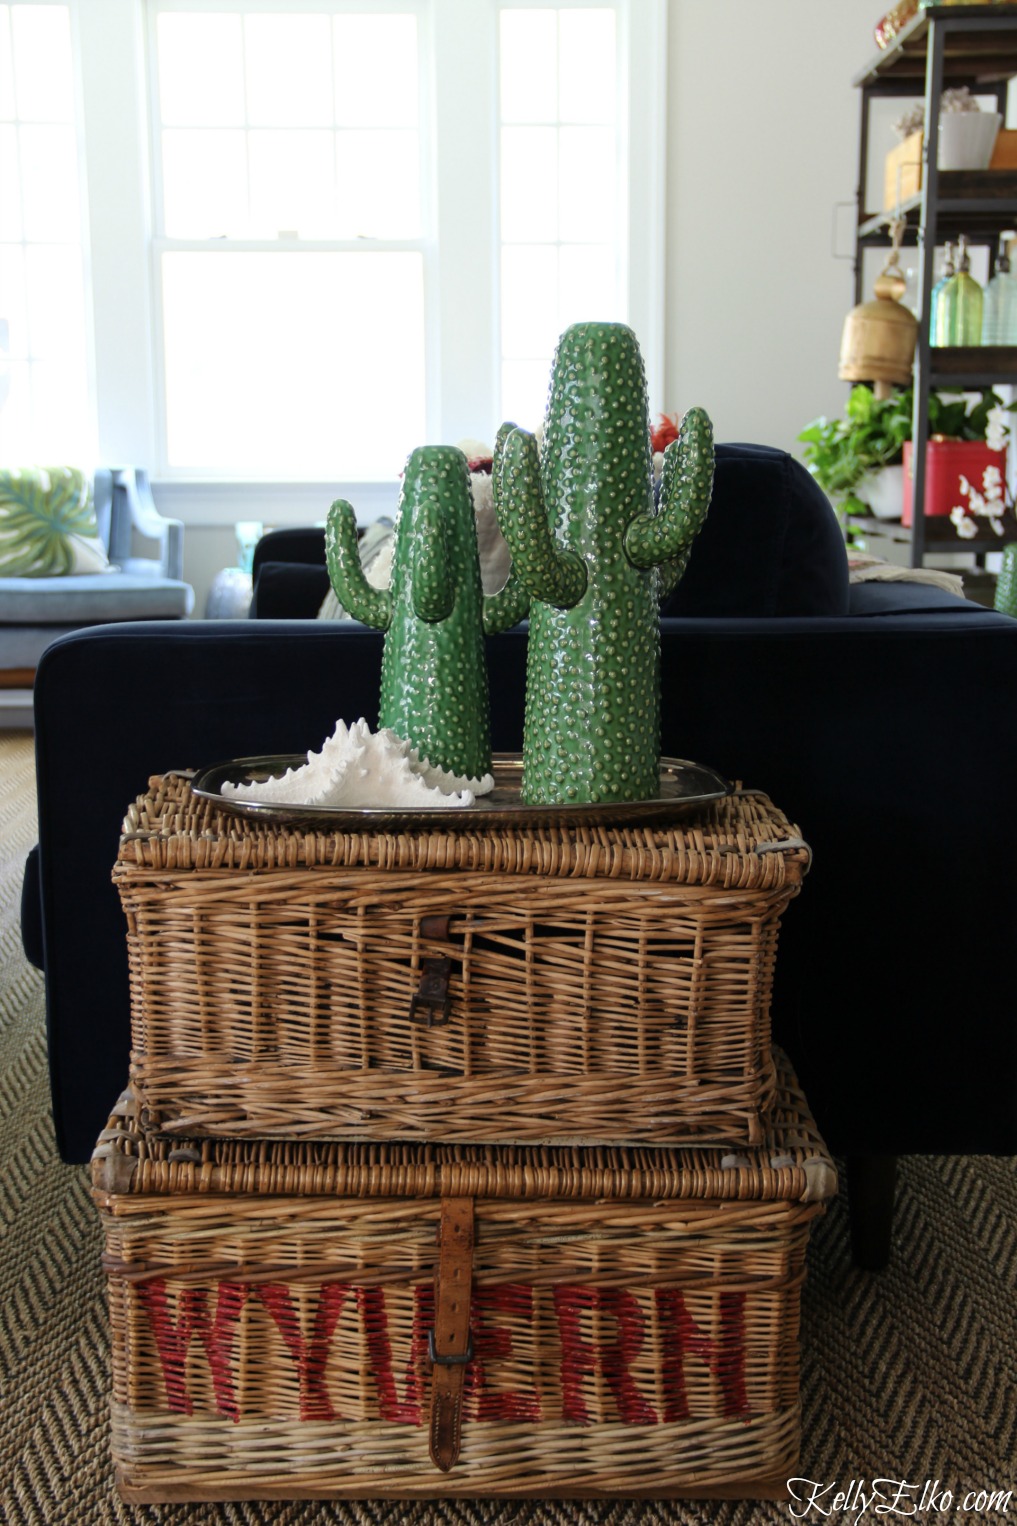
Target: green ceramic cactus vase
[434, 614]
[595, 557]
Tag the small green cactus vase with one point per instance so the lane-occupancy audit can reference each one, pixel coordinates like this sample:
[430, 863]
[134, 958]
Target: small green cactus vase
[1005, 598]
[434, 614]
[595, 557]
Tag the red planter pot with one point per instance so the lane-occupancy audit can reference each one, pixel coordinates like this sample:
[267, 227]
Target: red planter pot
[946, 462]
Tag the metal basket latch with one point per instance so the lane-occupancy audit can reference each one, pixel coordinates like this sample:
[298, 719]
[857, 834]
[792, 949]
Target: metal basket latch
[449, 1345]
[431, 1003]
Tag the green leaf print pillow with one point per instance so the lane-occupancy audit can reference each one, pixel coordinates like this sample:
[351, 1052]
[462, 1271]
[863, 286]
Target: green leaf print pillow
[47, 524]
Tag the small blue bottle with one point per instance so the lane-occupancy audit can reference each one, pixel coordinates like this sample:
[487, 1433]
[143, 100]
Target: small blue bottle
[999, 309]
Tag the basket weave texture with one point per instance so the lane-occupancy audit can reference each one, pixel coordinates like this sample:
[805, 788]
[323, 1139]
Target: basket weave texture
[555, 985]
[633, 1313]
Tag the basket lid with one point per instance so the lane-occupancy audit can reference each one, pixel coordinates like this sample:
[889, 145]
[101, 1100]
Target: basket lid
[792, 1165]
[739, 842]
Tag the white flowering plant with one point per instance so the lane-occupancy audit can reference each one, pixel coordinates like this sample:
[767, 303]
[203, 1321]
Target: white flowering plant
[992, 502]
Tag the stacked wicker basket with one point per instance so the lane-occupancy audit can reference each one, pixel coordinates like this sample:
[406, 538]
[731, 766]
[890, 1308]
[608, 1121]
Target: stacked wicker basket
[455, 1162]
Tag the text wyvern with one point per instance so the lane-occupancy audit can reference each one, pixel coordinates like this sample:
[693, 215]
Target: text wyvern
[308, 1347]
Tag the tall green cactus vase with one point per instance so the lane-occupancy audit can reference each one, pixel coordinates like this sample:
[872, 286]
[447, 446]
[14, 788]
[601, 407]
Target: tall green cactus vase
[595, 556]
[434, 614]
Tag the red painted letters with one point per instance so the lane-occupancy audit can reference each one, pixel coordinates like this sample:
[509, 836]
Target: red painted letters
[309, 1356]
[579, 1356]
[582, 1313]
[173, 1338]
[725, 1357]
[491, 1344]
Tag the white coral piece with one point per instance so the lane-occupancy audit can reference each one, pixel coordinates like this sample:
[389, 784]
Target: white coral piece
[360, 768]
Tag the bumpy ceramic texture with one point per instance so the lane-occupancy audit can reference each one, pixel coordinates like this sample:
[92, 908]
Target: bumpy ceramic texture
[596, 558]
[433, 671]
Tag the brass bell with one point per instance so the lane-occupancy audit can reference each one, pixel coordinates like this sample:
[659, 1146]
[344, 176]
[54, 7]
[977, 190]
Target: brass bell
[878, 342]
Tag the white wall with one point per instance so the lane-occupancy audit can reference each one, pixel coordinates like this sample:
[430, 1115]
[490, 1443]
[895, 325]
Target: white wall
[762, 142]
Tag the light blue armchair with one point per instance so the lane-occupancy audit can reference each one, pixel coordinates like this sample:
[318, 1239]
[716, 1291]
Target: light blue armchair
[34, 611]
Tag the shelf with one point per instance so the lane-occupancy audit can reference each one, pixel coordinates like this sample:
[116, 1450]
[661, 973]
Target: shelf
[944, 539]
[944, 45]
[977, 49]
[969, 201]
[983, 365]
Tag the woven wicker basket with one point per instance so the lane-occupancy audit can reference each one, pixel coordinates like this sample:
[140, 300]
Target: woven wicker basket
[628, 1318]
[580, 985]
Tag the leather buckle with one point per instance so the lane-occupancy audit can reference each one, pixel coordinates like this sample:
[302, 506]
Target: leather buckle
[431, 1003]
[448, 1361]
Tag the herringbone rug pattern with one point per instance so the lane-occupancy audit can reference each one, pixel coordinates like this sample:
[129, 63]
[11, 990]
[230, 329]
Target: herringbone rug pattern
[910, 1375]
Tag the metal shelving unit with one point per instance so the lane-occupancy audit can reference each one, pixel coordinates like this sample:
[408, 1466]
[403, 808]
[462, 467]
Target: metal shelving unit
[945, 45]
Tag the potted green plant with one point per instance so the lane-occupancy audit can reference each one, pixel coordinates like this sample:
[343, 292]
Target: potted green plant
[849, 456]
[967, 439]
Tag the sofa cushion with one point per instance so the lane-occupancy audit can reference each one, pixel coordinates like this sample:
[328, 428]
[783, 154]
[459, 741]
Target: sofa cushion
[47, 524]
[288, 591]
[771, 544]
[88, 600]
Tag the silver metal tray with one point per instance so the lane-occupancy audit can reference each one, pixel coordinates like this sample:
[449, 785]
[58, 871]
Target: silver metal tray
[683, 786]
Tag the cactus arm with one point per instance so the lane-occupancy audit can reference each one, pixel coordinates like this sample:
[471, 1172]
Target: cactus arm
[507, 607]
[432, 589]
[371, 606]
[684, 499]
[545, 570]
[510, 604]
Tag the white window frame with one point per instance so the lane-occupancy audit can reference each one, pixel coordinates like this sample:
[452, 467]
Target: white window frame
[462, 302]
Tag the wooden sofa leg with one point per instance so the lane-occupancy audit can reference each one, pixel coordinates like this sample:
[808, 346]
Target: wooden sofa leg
[871, 1180]
[17, 678]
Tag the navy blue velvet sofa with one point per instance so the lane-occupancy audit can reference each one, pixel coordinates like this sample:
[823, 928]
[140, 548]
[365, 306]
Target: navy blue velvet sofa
[883, 723]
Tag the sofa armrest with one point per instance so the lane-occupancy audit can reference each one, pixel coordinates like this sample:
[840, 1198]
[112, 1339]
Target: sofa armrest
[133, 508]
[890, 742]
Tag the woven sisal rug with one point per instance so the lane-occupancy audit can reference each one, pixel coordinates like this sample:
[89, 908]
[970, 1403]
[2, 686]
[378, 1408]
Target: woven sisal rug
[910, 1375]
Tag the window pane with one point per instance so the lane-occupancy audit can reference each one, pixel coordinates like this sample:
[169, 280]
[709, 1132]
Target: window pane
[376, 71]
[587, 83]
[44, 80]
[560, 184]
[59, 422]
[529, 300]
[289, 70]
[379, 184]
[204, 182]
[6, 66]
[201, 70]
[529, 183]
[56, 319]
[288, 364]
[49, 183]
[524, 391]
[586, 184]
[15, 301]
[588, 287]
[10, 185]
[292, 182]
[529, 66]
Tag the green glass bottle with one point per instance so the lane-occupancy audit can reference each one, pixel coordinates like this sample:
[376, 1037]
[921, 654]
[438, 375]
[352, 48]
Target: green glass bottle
[961, 301]
[935, 298]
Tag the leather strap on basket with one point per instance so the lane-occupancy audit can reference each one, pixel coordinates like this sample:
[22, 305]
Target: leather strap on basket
[431, 1004]
[448, 1344]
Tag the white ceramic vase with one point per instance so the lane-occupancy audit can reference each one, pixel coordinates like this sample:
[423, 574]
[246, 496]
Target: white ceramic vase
[967, 138]
[883, 491]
